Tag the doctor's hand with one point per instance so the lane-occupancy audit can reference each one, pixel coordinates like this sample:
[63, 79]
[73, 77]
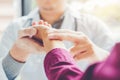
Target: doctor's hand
[42, 34]
[83, 47]
[25, 45]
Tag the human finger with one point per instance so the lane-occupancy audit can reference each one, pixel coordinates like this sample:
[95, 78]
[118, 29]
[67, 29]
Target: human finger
[85, 54]
[28, 32]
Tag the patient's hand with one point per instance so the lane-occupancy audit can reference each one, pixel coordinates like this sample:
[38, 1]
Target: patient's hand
[83, 47]
[42, 33]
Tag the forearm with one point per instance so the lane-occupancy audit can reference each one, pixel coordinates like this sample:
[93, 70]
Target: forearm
[60, 65]
[11, 67]
[52, 44]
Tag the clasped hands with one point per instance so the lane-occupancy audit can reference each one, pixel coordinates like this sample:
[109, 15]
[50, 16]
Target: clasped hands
[42, 37]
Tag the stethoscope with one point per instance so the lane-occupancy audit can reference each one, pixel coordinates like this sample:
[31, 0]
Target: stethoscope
[76, 24]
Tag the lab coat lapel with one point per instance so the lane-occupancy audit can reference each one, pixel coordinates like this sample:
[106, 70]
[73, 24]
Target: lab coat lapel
[33, 16]
[68, 22]
[2, 73]
[69, 19]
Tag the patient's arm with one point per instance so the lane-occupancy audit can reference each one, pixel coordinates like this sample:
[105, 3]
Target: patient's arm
[58, 64]
[106, 70]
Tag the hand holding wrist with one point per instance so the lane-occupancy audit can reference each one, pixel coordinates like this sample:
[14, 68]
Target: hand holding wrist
[18, 54]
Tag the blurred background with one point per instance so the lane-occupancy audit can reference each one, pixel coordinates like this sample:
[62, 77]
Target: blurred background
[106, 10]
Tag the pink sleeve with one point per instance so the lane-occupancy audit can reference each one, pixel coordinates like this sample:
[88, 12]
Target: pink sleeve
[59, 65]
[105, 70]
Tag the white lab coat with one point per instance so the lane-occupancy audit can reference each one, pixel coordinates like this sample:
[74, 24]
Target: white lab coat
[33, 69]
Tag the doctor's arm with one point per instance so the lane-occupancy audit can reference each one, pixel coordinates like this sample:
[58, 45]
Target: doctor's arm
[19, 52]
[6, 42]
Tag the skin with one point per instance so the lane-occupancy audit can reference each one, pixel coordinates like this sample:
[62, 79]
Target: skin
[43, 29]
[51, 10]
[25, 45]
[83, 47]
[52, 38]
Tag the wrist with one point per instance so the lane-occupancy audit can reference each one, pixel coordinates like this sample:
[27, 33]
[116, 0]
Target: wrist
[18, 55]
[51, 44]
[54, 44]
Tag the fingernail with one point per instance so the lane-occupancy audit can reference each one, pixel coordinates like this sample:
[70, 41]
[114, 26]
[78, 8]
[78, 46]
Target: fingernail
[40, 22]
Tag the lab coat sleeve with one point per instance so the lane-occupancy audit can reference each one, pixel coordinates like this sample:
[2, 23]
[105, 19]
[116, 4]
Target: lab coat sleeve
[11, 67]
[2, 73]
[8, 38]
[59, 65]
